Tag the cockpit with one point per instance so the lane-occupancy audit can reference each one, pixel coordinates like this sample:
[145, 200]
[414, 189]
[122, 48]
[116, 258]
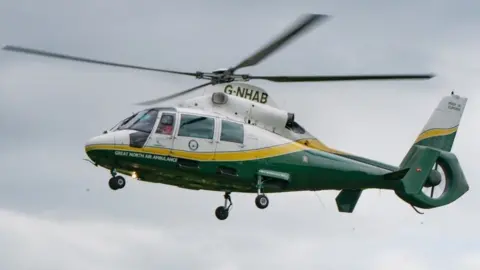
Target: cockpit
[136, 129]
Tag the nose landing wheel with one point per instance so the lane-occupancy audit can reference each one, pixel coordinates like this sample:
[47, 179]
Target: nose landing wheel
[117, 181]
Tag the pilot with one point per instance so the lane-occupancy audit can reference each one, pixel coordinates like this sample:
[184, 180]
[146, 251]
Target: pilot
[166, 125]
[167, 129]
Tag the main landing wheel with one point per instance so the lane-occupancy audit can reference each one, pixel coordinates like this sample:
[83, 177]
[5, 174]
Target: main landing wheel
[116, 182]
[222, 211]
[261, 201]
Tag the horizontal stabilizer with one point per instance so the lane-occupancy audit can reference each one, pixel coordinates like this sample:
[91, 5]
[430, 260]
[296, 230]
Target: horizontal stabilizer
[347, 200]
[396, 175]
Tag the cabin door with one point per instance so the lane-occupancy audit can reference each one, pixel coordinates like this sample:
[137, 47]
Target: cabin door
[161, 138]
[194, 137]
[231, 141]
[236, 148]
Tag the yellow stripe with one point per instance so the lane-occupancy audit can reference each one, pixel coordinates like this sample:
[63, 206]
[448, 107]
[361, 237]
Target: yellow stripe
[316, 144]
[268, 152]
[435, 133]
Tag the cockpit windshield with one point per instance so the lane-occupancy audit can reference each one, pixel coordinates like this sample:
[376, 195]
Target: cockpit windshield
[123, 122]
[142, 121]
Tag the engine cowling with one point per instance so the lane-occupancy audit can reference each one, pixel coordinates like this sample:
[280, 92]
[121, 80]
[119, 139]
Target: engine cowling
[258, 114]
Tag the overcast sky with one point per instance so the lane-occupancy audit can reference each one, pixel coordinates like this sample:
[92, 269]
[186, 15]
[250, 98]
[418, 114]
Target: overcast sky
[57, 211]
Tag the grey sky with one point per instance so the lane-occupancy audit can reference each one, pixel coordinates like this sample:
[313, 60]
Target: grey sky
[49, 108]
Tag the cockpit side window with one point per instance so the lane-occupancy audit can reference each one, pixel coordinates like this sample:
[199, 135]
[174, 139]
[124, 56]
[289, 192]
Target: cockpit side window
[146, 122]
[196, 126]
[232, 132]
[167, 123]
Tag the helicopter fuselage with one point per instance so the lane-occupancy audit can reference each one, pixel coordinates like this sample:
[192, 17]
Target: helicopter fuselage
[199, 149]
[238, 140]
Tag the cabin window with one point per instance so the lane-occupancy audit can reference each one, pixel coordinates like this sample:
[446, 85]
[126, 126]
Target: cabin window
[145, 122]
[196, 126]
[232, 132]
[166, 125]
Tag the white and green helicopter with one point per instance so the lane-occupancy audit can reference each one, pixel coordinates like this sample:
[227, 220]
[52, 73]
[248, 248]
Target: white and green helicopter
[234, 138]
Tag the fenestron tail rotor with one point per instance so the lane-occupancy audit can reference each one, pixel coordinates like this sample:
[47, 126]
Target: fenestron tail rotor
[303, 24]
[437, 185]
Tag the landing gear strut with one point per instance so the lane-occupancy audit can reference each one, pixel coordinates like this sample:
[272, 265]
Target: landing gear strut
[222, 211]
[261, 200]
[117, 181]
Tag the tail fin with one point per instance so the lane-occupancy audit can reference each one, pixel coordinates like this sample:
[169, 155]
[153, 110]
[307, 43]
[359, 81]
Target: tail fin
[430, 150]
[442, 126]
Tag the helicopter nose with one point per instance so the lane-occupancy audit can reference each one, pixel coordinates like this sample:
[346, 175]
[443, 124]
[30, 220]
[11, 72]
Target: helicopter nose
[107, 139]
[101, 142]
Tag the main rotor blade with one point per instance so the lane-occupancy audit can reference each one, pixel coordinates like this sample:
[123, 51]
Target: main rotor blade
[342, 78]
[299, 27]
[81, 59]
[158, 100]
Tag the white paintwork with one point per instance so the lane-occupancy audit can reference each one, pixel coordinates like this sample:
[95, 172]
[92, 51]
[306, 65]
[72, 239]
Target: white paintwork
[202, 145]
[254, 137]
[447, 114]
[246, 91]
[239, 109]
[122, 137]
[107, 138]
[258, 120]
[269, 118]
[264, 126]
[250, 141]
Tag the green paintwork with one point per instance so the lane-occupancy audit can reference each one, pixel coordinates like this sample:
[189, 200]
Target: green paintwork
[301, 171]
[370, 162]
[323, 171]
[347, 200]
[438, 142]
[444, 142]
[422, 160]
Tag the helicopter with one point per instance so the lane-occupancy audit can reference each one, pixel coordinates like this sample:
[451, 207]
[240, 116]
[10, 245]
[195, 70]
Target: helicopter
[235, 138]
